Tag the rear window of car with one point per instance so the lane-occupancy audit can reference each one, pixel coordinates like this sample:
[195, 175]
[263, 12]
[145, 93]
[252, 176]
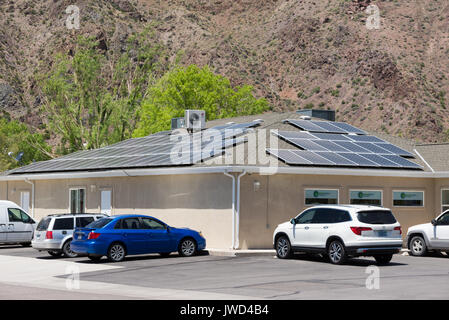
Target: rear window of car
[376, 217]
[100, 223]
[43, 224]
[81, 222]
[63, 224]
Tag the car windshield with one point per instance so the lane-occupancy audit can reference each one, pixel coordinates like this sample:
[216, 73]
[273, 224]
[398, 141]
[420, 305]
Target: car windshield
[43, 224]
[376, 217]
[100, 223]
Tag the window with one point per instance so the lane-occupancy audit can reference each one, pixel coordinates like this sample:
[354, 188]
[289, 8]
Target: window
[444, 220]
[128, 223]
[444, 200]
[366, 197]
[320, 196]
[376, 217]
[306, 217]
[63, 224]
[81, 222]
[17, 215]
[148, 223]
[43, 224]
[100, 223]
[408, 198]
[325, 215]
[77, 200]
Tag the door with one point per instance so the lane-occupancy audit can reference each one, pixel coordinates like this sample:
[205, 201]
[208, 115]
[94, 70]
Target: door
[3, 224]
[25, 201]
[159, 238]
[19, 226]
[441, 231]
[63, 229]
[319, 228]
[300, 230]
[106, 202]
[133, 235]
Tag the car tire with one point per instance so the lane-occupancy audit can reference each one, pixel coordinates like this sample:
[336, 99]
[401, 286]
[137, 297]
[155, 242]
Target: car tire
[94, 258]
[164, 254]
[418, 247]
[337, 252]
[67, 251]
[116, 252]
[383, 259]
[447, 253]
[55, 253]
[187, 247]
[283, 247]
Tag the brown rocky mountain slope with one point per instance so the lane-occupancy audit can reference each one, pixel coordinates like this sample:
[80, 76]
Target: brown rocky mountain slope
[297, 53]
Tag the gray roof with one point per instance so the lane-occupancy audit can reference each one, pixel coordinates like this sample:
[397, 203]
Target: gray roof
[157, 150]
[436, 155]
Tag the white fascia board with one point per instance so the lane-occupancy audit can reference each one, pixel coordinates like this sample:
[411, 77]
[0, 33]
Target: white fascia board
[230, 169]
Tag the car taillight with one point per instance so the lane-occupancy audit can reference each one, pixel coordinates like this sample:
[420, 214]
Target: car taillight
[49, 235]
[358, 230]
[398, 229]
[93, 235]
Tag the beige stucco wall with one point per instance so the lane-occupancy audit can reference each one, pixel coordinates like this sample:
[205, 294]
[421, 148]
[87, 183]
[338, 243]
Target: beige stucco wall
[281, 197]
[200, 202]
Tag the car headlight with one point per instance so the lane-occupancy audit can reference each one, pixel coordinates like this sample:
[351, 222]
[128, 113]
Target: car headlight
[201, 234]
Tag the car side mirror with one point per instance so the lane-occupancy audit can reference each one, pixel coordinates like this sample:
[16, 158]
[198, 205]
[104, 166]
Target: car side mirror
[293, 221]
[434, 222]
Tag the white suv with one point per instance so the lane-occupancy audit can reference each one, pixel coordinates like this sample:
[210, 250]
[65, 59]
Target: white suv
[341, 231]
[433, 236]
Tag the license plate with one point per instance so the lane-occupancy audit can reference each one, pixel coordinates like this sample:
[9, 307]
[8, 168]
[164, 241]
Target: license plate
[80, 237]
[382, 233]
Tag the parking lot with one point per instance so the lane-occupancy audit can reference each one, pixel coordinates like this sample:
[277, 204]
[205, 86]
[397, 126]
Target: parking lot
[28, 274]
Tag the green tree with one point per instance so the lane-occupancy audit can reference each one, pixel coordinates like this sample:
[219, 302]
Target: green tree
[194, 88]
[15, 137]
[92, 98]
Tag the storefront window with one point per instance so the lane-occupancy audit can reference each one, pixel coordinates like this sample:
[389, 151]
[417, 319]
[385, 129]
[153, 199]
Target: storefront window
[408, 198]
[366, 197]
[321, 196]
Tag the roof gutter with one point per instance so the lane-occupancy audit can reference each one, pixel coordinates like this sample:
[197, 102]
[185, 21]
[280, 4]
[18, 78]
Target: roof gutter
[222, 169]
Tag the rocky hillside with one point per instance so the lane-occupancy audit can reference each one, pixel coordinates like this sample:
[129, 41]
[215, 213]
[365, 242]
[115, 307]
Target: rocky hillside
[296, 53]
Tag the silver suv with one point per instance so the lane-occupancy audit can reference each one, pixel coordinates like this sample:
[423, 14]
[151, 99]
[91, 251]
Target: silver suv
[54, 233]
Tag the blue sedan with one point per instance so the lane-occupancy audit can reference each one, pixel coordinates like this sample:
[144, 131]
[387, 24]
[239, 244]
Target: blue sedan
[118, 236]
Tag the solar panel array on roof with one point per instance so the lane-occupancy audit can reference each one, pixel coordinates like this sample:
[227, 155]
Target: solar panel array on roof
[161, 149]
[325, 126]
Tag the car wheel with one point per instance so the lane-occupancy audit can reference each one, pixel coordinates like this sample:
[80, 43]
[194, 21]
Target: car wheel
[187, 247]
[418, 246]
[55, 253]
[447, 254]
[67, 251]
[164, 254]
[116, 252]
[336, 252]
[94, 258]
[383, 259]
[283, 248]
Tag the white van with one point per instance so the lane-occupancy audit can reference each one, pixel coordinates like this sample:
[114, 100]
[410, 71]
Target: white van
[16, 226]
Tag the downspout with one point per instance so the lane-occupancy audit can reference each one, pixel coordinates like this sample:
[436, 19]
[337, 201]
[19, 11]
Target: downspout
[32, 196]
[237, 218]
[233, 207]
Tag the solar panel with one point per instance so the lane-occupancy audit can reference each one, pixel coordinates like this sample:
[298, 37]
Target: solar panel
[328, 127]
[330, 146]
[310, 145]
[294, 135]
[402, 162]
[288, 157]
[395, 150]
[352, 147]
[359, 160]
[331, 136]
[314, 158]
[348, 128]
[338, 160]
[306, 125]
[358, 138]
[381, 161]
[372, 148]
